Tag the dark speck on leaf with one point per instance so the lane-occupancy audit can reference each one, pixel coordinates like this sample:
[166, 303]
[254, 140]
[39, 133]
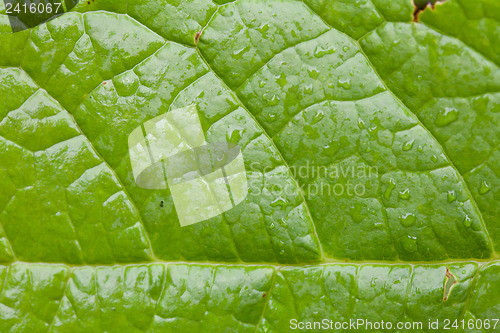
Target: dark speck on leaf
[88, 2]
[197, 37]
[114, 309]
[263, 295]
[161, 203]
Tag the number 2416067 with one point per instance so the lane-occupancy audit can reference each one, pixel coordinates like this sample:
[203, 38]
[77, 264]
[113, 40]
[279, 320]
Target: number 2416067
[33, 8]
[486, 324]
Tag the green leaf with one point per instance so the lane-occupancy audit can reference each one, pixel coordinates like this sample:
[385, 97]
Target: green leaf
[370, 144]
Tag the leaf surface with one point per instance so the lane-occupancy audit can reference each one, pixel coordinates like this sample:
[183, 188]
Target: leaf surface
[321, 97]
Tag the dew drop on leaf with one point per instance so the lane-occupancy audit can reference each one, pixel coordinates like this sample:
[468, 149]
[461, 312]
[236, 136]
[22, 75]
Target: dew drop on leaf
[485, 187]
[405, 194]
[451, 196]
[407, 219]
[234, 134]
[388, 190]
[408, 145]
[279, 201]
[322, 50]
[317, 117]
[446, 117]
[271, 99]
[361, 124]
[239, 53]
[263, 28]
[410, 243]
[345, 83]
[467, 221]
[313, 73]
[281, 80]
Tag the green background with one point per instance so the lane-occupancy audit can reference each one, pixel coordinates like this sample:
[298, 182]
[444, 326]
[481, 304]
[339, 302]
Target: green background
[336, 84]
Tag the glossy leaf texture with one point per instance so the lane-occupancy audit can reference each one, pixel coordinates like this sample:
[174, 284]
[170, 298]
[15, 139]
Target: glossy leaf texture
[320, 96]
[206, 298]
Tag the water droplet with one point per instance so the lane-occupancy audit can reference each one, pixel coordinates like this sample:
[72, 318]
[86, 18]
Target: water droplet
[126, 84]
[271, 117]
[407, 219]
[234, 135]
[410, 245]
[272, 226]
[434, 158]
[373, 282]
[313, 73]
[373, 129]
[467, 221]
[420, 149]
[390, 187]
[239, 53]
[405, 194]
[282, 252]
[262, 83]
[308, 89]
[279, 201]
[346, 48]
[263, 28]
[451, 196]
[321, 50]
[408, 145]
[361, 124]
[446, 117]
[485, 187]
[281, 80]
[271, 99]
[317, 117]
[346, 84]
